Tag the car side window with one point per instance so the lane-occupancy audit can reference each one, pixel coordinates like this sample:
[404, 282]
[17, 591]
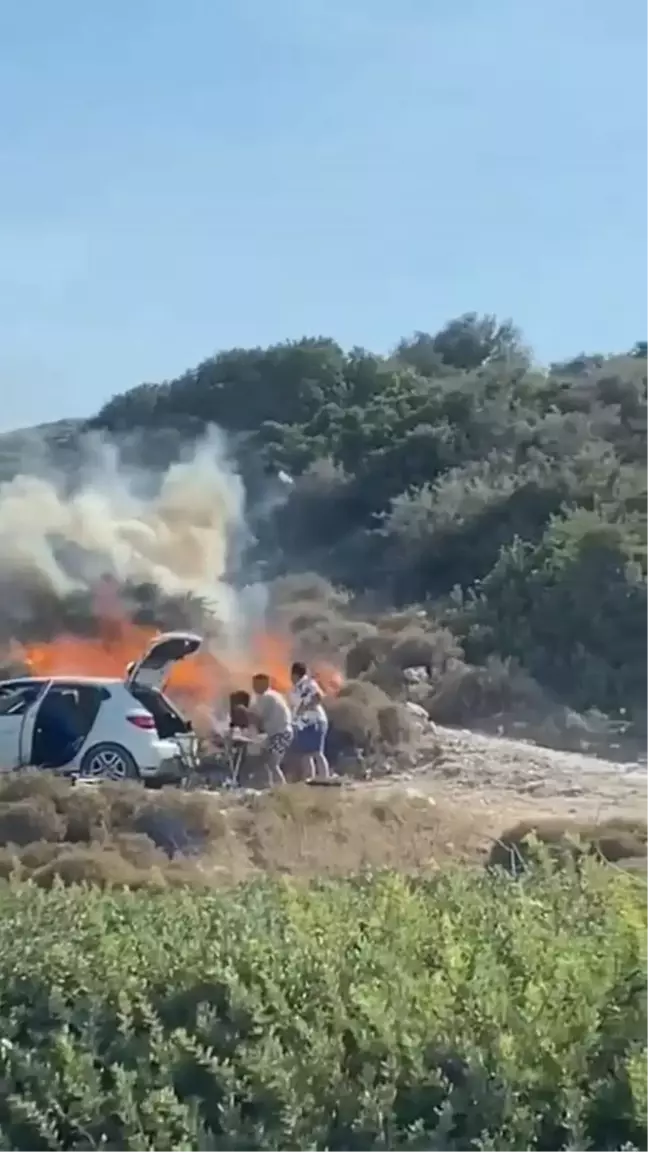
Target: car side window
[81, 700]
[15, 700]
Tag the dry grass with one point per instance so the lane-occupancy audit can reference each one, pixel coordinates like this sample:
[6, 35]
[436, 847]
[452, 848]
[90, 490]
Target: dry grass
[124, 836]
[380, 649]
[401, 642]
[305, 832]
[367, 653]
[364, 718]
[617, 840]
[327, 625]
[467, 693]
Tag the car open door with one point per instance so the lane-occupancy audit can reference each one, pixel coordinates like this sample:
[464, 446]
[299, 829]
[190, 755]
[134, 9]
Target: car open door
[19, 703]
[154, 667]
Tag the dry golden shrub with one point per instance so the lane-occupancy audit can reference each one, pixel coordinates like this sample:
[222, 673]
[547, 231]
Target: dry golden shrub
[304, 831]
[23, 821]
[102, 867]
[615, 840]
[166, 838]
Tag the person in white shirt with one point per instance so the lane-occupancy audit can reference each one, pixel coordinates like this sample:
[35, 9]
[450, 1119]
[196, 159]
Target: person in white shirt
[271, 714]
[310, 721]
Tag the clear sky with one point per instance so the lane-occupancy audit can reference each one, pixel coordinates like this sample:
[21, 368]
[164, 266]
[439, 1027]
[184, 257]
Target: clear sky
[178, 176]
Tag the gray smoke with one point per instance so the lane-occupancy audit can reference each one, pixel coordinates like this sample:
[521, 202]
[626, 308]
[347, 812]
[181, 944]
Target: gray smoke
[174, 530]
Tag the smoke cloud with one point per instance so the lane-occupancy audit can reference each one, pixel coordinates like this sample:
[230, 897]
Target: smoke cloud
[175, 530]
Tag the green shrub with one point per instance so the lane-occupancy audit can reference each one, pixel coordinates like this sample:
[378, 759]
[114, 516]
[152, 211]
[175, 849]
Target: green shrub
[467, 1011]
[467, 693]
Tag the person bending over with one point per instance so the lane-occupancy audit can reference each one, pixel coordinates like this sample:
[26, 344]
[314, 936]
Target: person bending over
[272, 716]
[239, 711]
[310, 722]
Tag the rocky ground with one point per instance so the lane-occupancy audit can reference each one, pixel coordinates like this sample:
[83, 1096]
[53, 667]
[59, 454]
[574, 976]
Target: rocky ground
[507, 780]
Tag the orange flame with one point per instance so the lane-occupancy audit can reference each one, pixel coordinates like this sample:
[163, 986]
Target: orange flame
[200, 680]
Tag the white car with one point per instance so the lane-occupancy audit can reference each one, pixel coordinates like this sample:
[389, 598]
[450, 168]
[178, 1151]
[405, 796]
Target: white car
[101, 728]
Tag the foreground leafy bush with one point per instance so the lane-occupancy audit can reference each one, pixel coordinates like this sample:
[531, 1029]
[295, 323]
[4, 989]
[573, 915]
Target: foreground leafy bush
[465, 1011]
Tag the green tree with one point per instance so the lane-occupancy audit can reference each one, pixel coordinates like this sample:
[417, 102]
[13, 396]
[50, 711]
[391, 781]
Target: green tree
[573, 608]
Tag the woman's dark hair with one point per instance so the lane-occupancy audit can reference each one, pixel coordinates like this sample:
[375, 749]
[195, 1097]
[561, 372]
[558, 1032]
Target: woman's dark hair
[239, 710]
[298, 669]
[240, 699]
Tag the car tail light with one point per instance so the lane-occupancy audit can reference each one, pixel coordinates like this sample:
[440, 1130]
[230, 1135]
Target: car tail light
[141, 720]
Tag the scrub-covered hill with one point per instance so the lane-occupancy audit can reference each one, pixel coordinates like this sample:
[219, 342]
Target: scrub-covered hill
[505, 500]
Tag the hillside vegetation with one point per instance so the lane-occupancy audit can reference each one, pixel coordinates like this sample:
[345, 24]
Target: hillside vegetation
[455, 473]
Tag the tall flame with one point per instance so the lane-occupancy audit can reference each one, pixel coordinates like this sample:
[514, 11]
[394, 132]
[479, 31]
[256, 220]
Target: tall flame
[199, 681]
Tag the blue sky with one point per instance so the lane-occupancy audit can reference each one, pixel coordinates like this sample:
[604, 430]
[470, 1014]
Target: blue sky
[179, 176]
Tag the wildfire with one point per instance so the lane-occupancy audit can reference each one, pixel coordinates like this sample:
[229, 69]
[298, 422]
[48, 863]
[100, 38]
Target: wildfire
[200, 680]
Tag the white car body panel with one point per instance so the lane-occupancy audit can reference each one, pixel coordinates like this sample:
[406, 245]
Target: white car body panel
[16, 727]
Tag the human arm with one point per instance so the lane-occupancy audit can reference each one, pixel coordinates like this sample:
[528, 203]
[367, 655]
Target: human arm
[256, 716]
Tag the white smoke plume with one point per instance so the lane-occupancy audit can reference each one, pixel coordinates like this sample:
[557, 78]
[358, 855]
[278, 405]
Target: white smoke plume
[173, 531]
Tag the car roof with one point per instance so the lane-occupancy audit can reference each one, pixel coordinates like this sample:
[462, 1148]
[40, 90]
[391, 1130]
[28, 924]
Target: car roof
[20, 681]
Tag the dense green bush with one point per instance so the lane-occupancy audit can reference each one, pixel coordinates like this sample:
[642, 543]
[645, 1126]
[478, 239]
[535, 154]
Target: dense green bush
[469, 1011]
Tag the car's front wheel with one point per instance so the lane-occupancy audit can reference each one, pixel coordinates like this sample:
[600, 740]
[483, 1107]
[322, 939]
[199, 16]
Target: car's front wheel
[109, 762]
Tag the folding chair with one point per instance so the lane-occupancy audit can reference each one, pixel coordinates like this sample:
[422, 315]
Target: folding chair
[238, 744]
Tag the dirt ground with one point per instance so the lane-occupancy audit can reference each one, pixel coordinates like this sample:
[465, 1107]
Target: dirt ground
[452, 798]
[501, 780]
[457, 793]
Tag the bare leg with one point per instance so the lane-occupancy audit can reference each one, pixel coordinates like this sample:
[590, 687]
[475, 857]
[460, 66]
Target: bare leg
[304, 767]
[275, 775]
[274, 757]
[279, 773]
[321, 766]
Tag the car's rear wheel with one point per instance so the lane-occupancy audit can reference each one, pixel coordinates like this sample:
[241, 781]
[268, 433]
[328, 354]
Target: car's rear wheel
[109, 762]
